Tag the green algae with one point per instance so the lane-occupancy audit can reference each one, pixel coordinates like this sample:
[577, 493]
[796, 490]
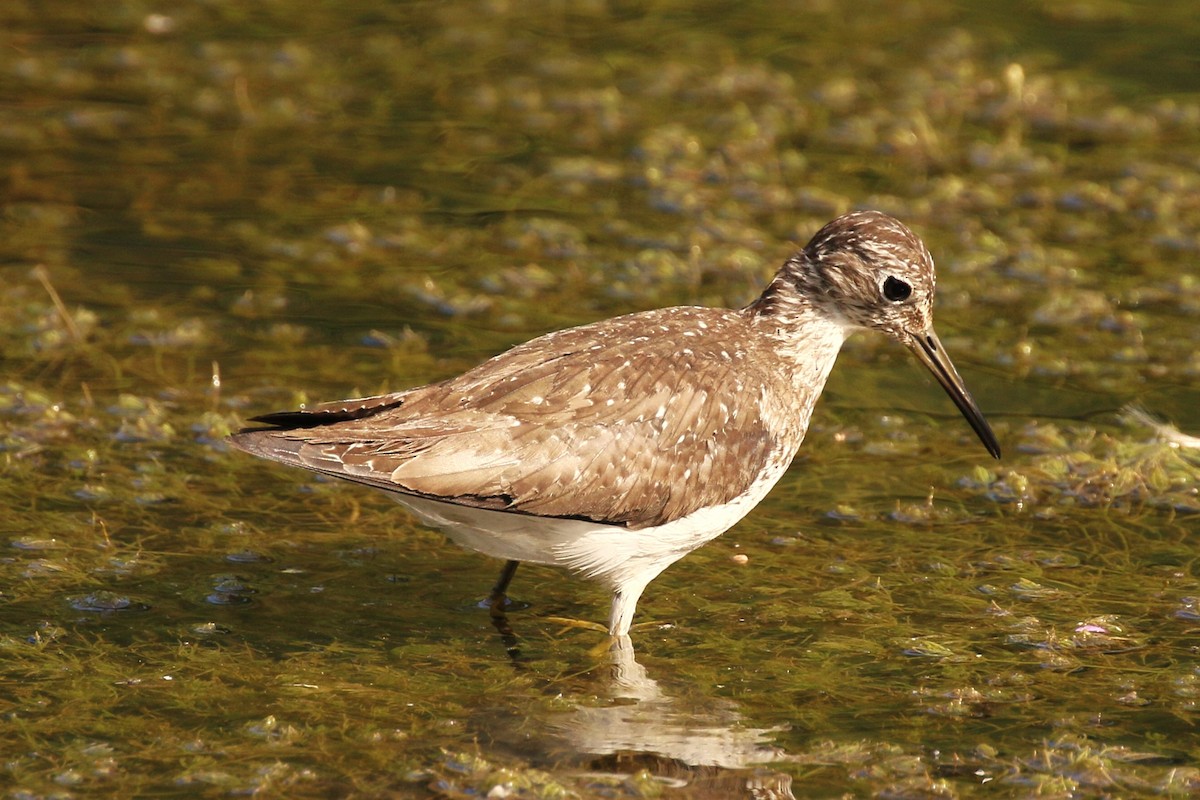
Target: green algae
[216, 211]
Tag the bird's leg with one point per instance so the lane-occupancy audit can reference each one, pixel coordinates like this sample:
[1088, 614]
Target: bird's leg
[498, 599]
[624, 602]
[496, 603]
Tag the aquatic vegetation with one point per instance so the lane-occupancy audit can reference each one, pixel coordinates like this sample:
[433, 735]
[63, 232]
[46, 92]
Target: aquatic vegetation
[217, 210]
[1086, 468]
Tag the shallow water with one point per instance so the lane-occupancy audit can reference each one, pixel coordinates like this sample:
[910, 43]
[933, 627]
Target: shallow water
[217, 210]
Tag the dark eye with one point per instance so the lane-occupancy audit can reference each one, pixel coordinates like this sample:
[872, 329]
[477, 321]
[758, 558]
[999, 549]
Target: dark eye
[896, 290]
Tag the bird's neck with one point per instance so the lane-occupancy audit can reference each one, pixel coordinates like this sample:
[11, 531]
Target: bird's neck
[806, 333]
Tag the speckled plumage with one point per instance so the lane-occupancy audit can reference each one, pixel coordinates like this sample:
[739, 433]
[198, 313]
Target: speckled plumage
[615, 448]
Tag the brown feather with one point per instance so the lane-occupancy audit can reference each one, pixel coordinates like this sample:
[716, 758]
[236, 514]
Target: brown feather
[533, 430]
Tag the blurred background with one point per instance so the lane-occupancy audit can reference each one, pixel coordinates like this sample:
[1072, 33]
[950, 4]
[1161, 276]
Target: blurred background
[214, 209]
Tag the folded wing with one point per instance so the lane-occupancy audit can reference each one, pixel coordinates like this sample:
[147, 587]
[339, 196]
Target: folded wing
[561, 426]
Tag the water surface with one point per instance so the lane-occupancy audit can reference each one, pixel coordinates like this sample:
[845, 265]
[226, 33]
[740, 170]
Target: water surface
[217, 210]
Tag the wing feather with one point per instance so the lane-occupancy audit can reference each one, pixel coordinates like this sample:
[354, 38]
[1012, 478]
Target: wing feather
[601, 423]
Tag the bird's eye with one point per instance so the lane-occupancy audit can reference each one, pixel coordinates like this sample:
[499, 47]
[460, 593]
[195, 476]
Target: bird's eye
[896, 290]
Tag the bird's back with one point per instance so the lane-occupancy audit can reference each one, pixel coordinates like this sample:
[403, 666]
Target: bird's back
[628, 422]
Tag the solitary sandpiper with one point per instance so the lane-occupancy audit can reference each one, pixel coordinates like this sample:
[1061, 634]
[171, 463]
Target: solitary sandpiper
[616, 448]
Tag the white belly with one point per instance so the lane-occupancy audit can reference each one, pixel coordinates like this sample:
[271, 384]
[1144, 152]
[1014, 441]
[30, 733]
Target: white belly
[612, 554]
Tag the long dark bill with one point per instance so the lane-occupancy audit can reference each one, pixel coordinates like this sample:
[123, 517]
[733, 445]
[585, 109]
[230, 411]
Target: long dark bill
[928, 348]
